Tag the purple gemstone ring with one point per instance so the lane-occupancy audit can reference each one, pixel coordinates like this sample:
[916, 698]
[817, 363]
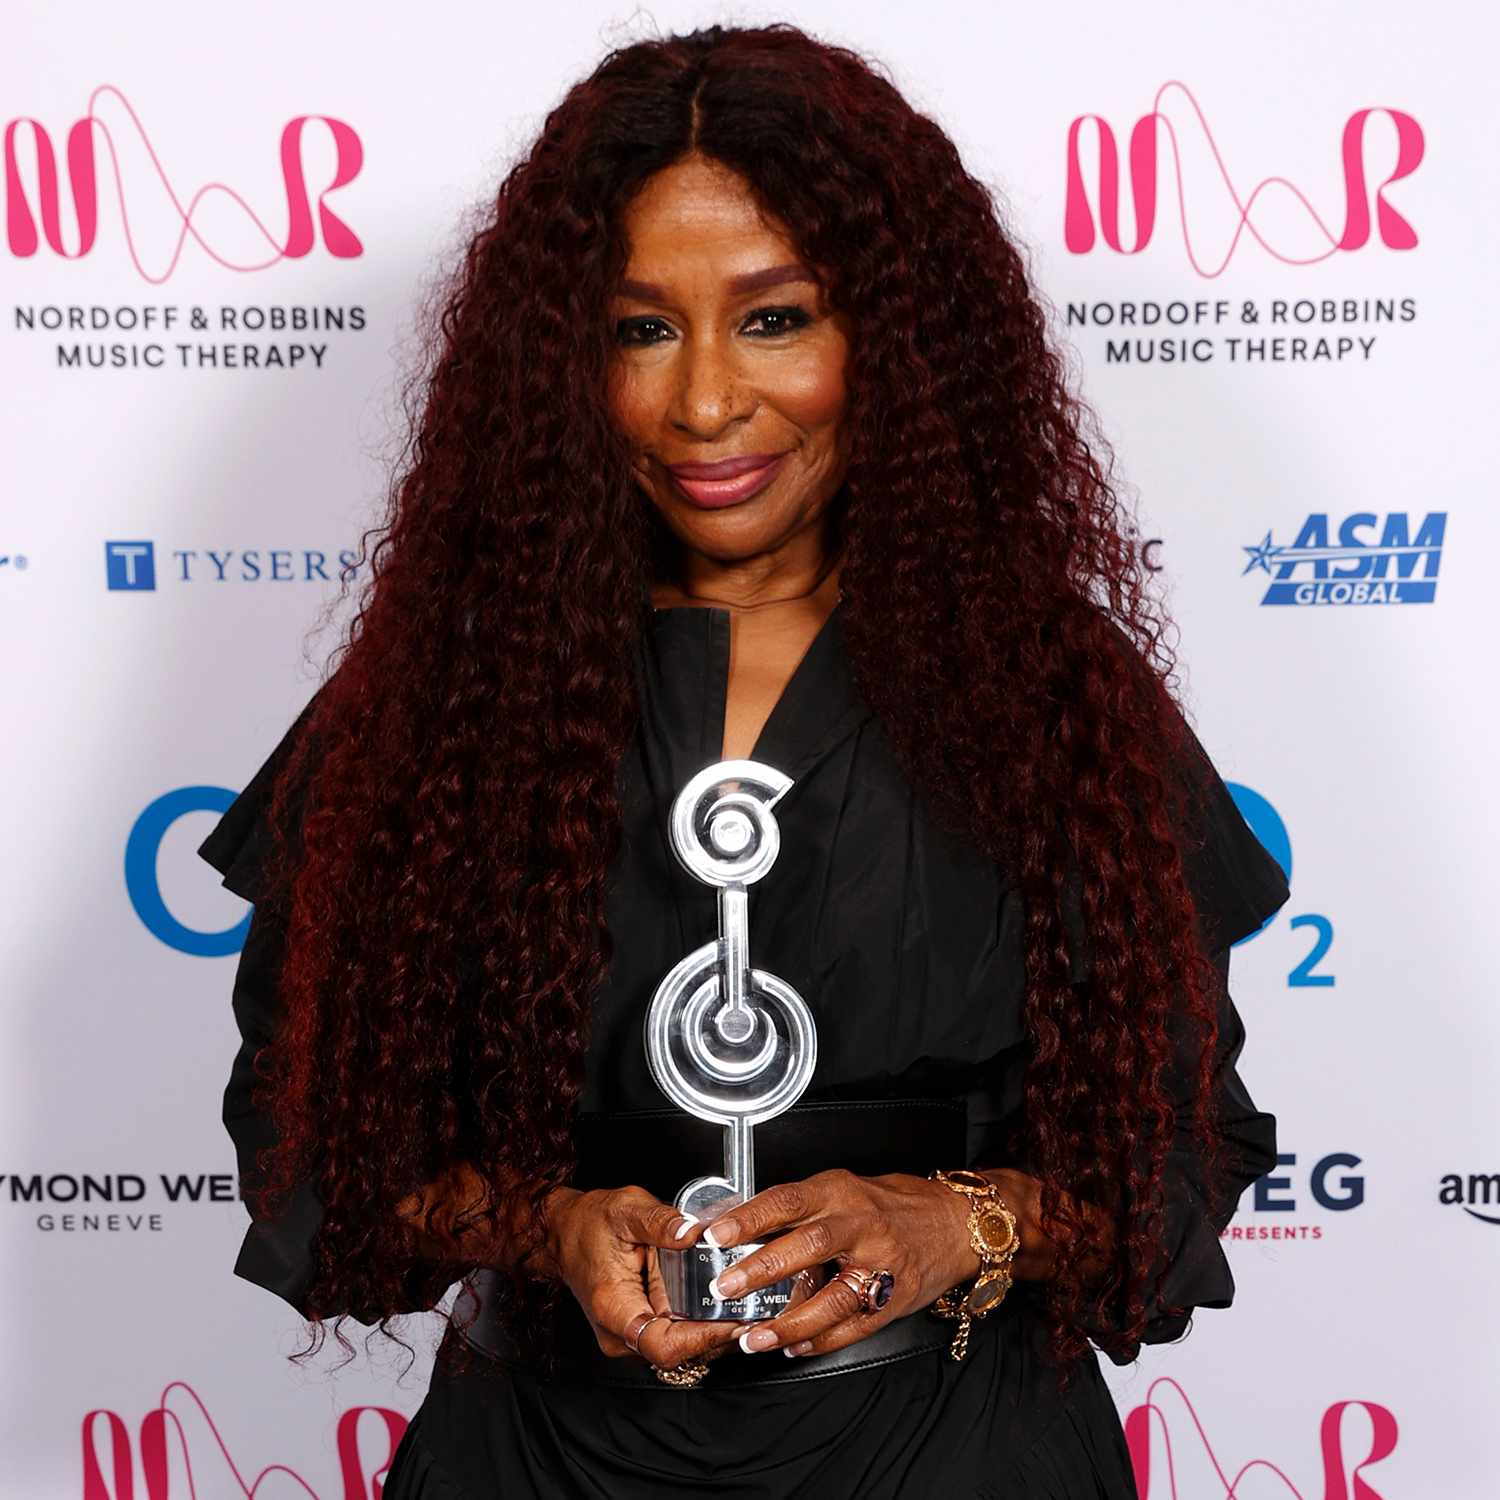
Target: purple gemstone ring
[873, 1288]
[879, 1289]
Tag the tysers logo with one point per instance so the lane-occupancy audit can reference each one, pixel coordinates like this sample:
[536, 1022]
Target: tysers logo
[1478, 1189]
[132, 565]
[140, 873]
[1081, 226]
[81, 175]
[1267, 825]
[1395, 566]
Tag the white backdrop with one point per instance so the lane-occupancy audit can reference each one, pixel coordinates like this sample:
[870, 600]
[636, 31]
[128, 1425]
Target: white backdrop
[1338, 443]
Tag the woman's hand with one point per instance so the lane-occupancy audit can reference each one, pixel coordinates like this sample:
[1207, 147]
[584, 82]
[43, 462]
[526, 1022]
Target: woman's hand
[601, 1245]
[916, 1229]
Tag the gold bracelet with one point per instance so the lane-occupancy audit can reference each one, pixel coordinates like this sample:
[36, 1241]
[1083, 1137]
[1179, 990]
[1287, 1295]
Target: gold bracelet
[994, 1239]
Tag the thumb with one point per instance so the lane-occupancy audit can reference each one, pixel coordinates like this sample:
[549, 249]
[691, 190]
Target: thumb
[645, 1221]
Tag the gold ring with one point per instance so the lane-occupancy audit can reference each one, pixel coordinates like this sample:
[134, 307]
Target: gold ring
[873, 1288]
[856, 1278]
[683, 1376]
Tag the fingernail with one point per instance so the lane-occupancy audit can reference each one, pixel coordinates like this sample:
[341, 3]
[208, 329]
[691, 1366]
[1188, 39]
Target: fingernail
[738, 1333]
[758, 1340]
[730, 1284]
[686, 1227]
[805, 1347]
[714, 1292]
[720, 1232]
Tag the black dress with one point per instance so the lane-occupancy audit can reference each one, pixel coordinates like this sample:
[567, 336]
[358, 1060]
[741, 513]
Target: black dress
[906, 943]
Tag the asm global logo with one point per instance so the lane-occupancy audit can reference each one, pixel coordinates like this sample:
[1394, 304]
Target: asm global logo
[1363, 560]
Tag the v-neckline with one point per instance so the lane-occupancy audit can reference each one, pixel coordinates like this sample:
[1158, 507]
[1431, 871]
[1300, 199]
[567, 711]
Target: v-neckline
[783, 711]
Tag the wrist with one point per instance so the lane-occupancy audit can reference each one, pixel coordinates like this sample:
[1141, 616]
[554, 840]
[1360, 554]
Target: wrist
[546, 1259]
[962, 1262]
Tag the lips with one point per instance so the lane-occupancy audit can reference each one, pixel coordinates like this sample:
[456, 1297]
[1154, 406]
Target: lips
[728, 481]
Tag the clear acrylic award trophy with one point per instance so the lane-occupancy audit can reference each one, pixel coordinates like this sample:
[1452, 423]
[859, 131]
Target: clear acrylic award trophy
[726, 1042]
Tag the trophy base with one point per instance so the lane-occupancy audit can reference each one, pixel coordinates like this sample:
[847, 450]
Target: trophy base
[687, 1273]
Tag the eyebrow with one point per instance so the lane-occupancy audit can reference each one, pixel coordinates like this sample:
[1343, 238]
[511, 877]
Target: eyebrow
[749, 281]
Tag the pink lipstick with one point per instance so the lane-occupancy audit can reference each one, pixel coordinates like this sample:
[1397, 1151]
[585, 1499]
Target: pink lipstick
[728, 481]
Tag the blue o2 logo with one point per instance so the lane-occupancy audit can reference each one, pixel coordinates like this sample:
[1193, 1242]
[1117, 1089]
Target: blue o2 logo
[1268, 826]
[140, 873]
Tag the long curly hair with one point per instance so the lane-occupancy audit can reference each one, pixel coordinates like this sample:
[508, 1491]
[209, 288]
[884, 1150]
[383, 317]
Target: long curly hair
[456, 813]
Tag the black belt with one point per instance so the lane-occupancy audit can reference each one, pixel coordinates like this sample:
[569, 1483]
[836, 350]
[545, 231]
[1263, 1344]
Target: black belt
[661, 1149]
[483, 1294]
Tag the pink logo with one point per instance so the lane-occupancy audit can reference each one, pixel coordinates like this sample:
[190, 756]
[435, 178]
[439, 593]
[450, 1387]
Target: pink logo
[1341, 1480]
[1081, 223]
[83, 184]
[166, 1456]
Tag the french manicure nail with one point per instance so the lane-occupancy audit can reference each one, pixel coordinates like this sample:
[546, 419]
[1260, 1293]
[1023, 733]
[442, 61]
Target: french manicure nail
[714, 1292]
[758, 1340]
[686, 1227]
[717, 1233]
[805, 1347]
[730, 1284]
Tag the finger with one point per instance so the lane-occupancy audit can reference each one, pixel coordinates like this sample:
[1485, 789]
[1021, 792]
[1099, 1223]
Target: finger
[837, 1303]
[636, 1216]
[656, 1288]
[670, 1342]
[801, 1249]
[840, 1336]
[777, 1207]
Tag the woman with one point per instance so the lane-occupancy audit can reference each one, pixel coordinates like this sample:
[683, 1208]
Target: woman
[744, 438]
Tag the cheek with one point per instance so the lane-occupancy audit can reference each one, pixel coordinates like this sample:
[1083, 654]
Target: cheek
[632, 406]
[814, 394]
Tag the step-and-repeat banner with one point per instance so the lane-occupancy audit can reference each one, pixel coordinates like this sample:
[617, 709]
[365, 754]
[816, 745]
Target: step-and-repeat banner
[1269, 237]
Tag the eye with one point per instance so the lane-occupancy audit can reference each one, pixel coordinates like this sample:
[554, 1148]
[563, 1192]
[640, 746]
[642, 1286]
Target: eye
[784, 319]
[641, 332]
[633, 330]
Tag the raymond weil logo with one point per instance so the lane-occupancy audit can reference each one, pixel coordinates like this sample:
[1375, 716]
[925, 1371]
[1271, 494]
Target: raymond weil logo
[1363, 559]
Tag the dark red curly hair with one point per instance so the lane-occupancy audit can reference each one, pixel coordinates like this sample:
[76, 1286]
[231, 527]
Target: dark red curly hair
[445, 898]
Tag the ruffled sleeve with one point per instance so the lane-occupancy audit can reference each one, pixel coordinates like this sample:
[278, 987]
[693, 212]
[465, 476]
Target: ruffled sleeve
[239, 843]
[277, 1253]
[1195, 1272]
[1236, 886]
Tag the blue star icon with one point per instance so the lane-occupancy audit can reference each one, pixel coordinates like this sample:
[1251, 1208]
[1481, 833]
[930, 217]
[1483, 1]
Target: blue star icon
[1261, 555]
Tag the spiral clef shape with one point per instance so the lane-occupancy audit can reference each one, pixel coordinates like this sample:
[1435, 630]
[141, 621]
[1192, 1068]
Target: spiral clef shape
[722, 828]
[726, 1042]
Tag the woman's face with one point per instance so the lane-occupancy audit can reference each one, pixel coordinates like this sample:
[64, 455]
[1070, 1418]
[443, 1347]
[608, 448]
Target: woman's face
[725, 349]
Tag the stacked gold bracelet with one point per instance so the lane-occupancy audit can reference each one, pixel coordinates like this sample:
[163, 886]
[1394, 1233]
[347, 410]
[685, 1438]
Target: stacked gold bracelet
[993, 1238]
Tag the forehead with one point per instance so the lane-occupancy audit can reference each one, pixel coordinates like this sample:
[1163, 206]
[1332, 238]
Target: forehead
[699, 214]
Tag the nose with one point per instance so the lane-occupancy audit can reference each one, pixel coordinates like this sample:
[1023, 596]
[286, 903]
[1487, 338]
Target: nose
[710, 391]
